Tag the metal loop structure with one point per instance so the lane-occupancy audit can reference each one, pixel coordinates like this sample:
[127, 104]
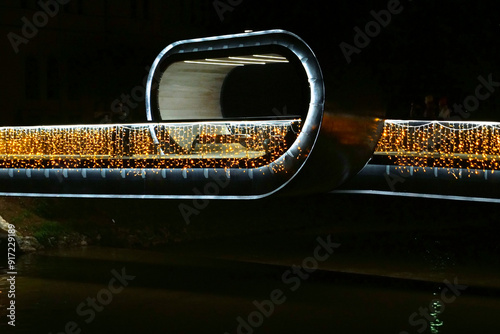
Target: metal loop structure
[240, 116]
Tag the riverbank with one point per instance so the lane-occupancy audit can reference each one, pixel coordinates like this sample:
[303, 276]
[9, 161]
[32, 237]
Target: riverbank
[44, 224]
[394, 256]
[63, 222]
[437, 231]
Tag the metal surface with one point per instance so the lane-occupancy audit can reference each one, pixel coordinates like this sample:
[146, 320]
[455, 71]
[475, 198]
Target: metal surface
[436, 183]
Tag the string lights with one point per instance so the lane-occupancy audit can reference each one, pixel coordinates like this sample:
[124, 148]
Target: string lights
[161, 145]
[470, 145]
[236, 144]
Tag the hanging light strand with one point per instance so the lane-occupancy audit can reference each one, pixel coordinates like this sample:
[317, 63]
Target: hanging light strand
[171, 145]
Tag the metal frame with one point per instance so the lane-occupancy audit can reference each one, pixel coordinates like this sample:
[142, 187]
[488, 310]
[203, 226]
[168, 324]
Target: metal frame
[180, 183]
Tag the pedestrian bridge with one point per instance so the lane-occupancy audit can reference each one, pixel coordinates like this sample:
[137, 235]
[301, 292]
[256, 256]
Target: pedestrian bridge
[35, 160]
[433, 159]
[243, 116]
[466, 145]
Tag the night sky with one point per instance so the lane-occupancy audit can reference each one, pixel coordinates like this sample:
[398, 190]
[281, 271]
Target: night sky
[89, 54]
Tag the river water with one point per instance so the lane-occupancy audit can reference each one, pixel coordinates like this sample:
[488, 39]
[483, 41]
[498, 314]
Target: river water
[400, 266]
[212, 290]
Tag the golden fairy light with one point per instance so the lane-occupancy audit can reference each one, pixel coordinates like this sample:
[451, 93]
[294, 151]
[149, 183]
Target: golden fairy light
[158, 145]
[470, 145]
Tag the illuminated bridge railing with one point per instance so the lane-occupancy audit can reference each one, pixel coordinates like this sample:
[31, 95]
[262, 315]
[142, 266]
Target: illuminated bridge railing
[471, 145]
[229, 144]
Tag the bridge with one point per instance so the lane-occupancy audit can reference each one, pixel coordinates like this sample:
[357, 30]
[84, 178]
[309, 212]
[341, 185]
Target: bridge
[410, 158]
[434, 159]
[214, 130]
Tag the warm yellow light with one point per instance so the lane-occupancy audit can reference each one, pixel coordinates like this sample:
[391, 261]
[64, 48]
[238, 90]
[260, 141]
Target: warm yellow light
[446, 145]
[132, 146]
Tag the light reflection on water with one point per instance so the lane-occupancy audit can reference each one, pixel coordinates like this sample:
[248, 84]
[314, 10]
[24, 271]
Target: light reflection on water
[440, 259]
[437, 308]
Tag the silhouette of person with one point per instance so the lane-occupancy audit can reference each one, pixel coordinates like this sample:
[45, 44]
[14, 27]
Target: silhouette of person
[430, 107]
[444, 110]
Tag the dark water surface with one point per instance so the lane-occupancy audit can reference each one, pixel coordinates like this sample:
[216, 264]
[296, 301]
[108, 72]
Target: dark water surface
[205, 292]
[389, 274]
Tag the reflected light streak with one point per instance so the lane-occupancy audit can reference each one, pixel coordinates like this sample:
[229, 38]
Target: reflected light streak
[211, 63]
[419, 195]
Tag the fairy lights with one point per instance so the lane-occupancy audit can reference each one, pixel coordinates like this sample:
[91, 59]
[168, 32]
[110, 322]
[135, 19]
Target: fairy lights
[178, 145]
[236, 144]
[470, 145]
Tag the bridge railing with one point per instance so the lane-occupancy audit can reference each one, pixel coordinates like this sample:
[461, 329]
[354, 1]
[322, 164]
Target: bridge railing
[162, 145]
[474, 145]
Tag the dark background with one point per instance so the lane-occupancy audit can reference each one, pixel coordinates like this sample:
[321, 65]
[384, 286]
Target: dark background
[93, 51]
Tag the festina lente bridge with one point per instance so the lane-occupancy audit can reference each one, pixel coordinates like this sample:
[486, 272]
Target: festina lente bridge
[244, 117]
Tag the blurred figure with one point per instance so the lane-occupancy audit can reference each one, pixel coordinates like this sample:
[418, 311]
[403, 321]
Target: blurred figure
[121, 113]
[444, 110]
[106, 119]
[430, 107]
[416, 111]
